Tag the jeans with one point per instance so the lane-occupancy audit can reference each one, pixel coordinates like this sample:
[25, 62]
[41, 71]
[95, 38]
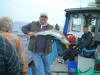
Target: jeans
[37, 58]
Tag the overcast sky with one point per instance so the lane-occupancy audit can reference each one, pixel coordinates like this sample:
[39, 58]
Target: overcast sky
[29, 10]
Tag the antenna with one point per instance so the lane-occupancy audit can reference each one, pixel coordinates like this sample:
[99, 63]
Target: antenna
[80, 3]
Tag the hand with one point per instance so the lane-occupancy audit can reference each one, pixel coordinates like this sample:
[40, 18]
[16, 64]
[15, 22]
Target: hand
[31, 33]
[74, 47]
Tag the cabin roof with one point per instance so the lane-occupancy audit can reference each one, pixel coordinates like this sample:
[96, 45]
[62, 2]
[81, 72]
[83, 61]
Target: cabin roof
[83, 10]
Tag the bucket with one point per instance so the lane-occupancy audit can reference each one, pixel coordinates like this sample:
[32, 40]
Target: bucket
[72, 67]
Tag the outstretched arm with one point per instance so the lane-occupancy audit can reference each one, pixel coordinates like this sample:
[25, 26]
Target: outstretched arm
[26, 29]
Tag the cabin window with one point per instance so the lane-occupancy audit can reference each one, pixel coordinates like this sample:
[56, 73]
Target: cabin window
[93, 21]
[76, 24]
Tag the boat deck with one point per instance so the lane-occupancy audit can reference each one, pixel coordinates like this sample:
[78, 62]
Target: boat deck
[56, 68]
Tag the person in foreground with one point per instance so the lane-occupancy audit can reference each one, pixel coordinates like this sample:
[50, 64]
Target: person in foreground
[5, 30]
[74, 50]
[39, 46]
[9, 61]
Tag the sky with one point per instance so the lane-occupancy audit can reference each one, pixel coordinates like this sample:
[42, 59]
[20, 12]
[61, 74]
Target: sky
[29, 10]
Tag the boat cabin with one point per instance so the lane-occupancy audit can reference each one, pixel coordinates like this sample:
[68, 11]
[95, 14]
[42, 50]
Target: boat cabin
[77, 18]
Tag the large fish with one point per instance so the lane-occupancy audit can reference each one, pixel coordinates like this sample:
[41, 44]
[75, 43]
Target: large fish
[55, 33]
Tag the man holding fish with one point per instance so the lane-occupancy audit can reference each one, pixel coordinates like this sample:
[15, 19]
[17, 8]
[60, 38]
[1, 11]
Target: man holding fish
[40, 46]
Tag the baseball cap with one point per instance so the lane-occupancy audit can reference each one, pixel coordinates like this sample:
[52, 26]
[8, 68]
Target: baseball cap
[43, 14]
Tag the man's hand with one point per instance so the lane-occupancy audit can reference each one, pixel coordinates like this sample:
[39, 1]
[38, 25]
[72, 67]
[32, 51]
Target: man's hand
[74, 47]
[31, 33]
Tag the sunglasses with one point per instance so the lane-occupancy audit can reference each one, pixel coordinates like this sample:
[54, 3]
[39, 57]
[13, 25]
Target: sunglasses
[43, 16]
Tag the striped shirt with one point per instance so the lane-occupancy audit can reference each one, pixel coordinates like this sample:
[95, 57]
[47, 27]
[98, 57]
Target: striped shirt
[17, 44]
[9, 61]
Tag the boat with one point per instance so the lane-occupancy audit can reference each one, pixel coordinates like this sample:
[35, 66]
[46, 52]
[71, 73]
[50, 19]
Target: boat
[76, 19]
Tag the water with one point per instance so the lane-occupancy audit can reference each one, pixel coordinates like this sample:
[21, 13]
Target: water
[17, 27]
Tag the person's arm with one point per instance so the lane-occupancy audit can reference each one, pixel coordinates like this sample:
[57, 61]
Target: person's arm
[26, 29]
[86, 42]
[22, 56]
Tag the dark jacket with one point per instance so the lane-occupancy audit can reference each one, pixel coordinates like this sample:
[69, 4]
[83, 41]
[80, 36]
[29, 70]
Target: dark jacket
[33, 27]
[85, 40]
